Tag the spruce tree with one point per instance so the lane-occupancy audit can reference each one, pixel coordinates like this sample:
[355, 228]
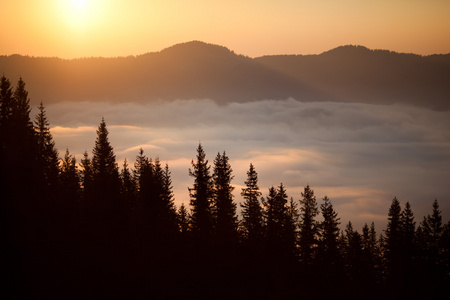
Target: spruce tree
[128, 188]
[104, 167]
[183, 219]
[356, 266]
[291, 228]
[107, 211]
[20, 109]
[69, 177]
[86, 178]
[329, 252]
[309, 229]
[224, 208]
[21, 212]
[6, 102]
[277, 222]
[252, 216]
[433, 271]
[393, 240]
[201, 194]
[70, 191]
[47, 155]
[166, 221]
[408, 231]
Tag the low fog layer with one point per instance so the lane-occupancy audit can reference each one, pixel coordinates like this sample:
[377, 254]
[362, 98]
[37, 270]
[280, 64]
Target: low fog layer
[359, 155]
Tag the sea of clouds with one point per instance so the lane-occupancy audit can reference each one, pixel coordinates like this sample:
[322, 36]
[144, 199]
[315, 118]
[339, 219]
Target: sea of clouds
[361, 156]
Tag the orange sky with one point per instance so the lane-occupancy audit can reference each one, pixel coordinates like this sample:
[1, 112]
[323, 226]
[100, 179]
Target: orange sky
[70, 29]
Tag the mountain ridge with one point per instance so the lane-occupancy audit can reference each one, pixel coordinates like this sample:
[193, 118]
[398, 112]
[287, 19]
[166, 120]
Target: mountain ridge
[200, 70]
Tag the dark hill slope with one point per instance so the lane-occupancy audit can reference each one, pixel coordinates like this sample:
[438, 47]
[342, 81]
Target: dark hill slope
[199, 70]
[184, 71]
[357, 74]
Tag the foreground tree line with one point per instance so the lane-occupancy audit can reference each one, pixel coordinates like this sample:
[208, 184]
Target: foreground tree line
[92, 229]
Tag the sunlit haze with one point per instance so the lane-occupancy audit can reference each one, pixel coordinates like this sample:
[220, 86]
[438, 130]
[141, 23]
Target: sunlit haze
[85, 28]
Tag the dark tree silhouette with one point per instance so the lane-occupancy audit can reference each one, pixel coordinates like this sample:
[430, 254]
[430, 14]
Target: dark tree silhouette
[252, 216]
[356, 266]
[201, 195]
[372, 257]
[128, 188]
[329, 255]
[308, 226]
[432, 270]
[6, 102]
[393, 247]
[224, 208]
[23, 212]
[183, 219]
[293, 215]
[280, 228]
[48, 161]
[87, 189]
[408, 248]
[106, 211]
[70, 190]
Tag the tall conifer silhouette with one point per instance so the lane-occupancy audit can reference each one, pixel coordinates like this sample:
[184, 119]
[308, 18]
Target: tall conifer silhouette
[252, 216]
[308, 226]
[223, 206]
[201, 194]
[47, 155]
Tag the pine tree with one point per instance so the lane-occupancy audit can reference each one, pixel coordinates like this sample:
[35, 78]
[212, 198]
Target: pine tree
[393, 240]
[201, 197]
[142, 169]
[223, 206]
[277, 221]
[433, 272]
[21, 212]
[164, 200]
[86, 177]
[70, 190]
[291, 226]
[408, 231]
[329, 255]
[6, 102]
[329, 252]
[356, 266]
[252, 216]
[69, 177]
[20, 111]
[104, 167]
[47, 155]
[183, 219]
[106, 211]
[128, 188]
[435, 223]
[308, 226]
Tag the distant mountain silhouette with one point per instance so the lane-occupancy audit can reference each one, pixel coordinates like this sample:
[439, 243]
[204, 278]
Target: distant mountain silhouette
[199, 70]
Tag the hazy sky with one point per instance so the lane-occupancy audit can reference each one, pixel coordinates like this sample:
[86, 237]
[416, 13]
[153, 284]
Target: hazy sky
[83, 28]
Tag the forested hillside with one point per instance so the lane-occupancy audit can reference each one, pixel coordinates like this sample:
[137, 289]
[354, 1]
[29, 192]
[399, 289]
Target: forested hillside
[94, 229]
[197, 70]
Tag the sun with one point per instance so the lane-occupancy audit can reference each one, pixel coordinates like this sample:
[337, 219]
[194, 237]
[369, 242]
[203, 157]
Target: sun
[80, 14]
[79, 5]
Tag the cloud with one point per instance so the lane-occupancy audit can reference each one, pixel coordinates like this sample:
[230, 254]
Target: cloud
[360, 155]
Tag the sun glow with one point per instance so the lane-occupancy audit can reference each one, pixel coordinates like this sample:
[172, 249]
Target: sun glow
[81, 14]
[79, 4]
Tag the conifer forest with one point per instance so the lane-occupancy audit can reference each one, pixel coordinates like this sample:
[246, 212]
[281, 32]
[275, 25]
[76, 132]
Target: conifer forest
[94, 229]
